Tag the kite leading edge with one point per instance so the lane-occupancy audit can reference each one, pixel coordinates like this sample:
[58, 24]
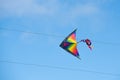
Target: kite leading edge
[69, 44]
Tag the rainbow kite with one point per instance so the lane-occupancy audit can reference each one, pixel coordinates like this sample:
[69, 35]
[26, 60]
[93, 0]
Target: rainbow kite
[70, 44]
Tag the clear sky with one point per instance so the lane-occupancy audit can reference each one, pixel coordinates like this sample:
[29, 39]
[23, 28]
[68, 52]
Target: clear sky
[32, 56]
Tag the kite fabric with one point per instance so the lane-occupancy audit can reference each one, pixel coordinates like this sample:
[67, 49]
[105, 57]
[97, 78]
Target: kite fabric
[69, 44]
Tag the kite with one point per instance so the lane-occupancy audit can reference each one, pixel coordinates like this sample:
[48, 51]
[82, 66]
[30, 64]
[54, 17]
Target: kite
[69, 44]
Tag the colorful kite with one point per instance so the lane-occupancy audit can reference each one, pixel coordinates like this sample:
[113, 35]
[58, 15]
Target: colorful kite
[70, 44]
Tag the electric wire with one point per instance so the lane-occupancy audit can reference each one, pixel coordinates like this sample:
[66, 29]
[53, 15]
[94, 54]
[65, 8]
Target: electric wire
[61, 68]
[58, 36]
[56, 67]
[37, 33]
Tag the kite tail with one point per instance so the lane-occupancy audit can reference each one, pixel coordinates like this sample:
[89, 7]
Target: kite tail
[90, 47]
[83, 40]
[88, 43]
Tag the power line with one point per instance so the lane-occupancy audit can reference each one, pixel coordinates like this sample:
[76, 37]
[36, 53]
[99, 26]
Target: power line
[107, 43]
[61, 68]
[37, 33]
[59, 36]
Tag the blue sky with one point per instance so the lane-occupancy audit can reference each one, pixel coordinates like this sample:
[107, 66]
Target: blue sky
[98, 20]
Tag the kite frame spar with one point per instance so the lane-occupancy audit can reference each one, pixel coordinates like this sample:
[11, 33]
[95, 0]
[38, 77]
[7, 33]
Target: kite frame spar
[69, 44]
